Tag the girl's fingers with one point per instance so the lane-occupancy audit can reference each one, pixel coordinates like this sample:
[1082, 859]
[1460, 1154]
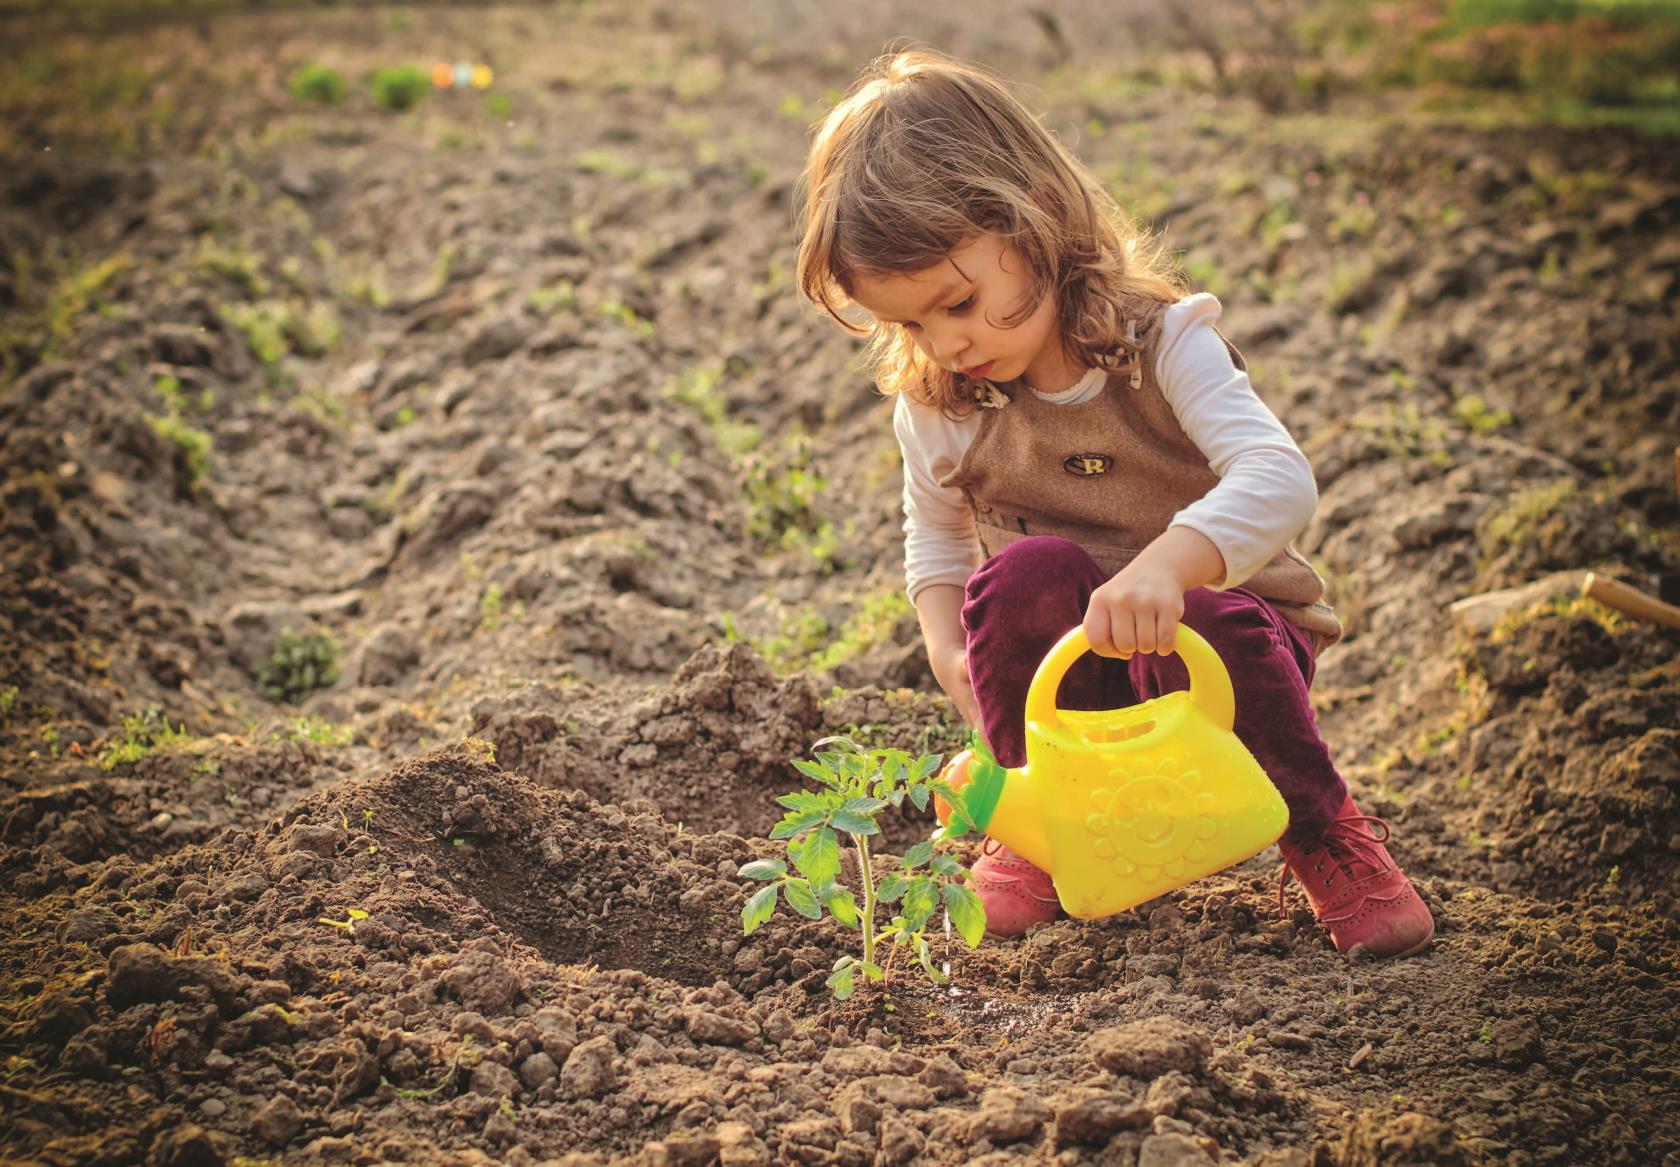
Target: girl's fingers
[1166, 633]
[1124, 631]
[1097, 632]
[1146, 632]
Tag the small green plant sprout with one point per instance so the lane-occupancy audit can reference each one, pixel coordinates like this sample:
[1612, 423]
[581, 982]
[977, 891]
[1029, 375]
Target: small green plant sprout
[855, 785]
[298, 663]
[320, 83]
[401, 87]
[349, 925]
[142, 733]
[320, 731]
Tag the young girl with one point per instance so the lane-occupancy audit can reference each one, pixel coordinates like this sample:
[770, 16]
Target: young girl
[1081, 445]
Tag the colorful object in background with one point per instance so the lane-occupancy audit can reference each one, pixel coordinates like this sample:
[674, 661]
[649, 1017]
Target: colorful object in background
[1123, 805]
[462, 75]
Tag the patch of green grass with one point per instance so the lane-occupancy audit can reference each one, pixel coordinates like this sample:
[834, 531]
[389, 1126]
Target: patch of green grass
[169, 388]
[491, 609]
[601, 160]
[873, 622]
[321, 402]
[142, 733]
[299, 663]
[320, 83]
[77, 292]
[800, 636]
[615, 309]
[237, 264]
[192, 448]
[700, 388]
[400, 87]
[1573, 607]
[274, 328]
[1524, 513]
[1474, 413]
[320, 731]
[560, 297]
[1402, 431]
[781, 487]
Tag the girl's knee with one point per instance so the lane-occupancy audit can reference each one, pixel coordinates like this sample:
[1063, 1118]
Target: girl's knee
[1238, 625]
[1033, 565]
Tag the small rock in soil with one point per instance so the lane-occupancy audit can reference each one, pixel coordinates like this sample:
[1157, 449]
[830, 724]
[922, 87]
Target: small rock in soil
[278, 1121]
[1517, 1042]
[1097, 1119]
[1007, 1116]
[537, 1069]
[1149, 1048]
[494, 1080]
[1404, 1140]
[590, 1070]
[1172, 1150]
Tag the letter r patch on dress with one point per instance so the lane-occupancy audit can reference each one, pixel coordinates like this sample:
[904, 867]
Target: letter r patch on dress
[1087, 465]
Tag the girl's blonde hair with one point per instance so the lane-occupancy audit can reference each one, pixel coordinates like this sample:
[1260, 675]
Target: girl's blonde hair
[925, 152]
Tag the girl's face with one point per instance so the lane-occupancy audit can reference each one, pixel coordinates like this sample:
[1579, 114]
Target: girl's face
[955, 311]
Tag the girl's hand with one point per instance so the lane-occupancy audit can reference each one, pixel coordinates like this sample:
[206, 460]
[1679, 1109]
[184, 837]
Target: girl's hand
[1136, 611]
[950, 669]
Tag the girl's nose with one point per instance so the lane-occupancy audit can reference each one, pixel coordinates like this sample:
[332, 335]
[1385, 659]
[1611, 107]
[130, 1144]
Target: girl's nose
[948, 346]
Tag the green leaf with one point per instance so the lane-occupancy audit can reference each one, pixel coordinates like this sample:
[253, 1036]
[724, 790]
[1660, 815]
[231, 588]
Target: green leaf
[854, 824]
[926, 957]
[794, 823]
[919, 795]
[872, 970]
[918, 855]
[891, 888]
[920, 900]
[814, 771]
[926, 765]
[802, 899]
[862, 805]
[836, 740]
[967, 912]
[801, 800]
[818, 856]
[764, 869]
[841, 905]
[758, 909]
[947, 866]
[842, 982]
[961, 822]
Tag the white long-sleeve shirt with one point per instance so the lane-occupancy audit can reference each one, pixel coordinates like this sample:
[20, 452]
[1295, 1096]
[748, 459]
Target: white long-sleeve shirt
[1264, 498]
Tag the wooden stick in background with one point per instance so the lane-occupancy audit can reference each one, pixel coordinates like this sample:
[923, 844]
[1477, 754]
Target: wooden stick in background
[1630, 601]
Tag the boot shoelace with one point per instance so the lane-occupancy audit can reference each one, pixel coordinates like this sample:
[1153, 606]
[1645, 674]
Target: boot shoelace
[1345, 842]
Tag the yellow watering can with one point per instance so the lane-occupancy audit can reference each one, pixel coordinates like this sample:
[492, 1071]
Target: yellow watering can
[1122, 805]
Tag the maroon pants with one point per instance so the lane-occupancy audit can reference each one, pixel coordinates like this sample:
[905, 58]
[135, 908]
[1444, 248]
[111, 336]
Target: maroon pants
[1025, 598]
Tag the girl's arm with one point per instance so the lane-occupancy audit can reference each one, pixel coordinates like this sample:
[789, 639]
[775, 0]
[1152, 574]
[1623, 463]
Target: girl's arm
[939, 609]
[939, 543]
[1264, 497]
[1139, 609]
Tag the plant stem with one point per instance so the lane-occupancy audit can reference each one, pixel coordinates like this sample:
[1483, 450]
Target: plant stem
[867, 876]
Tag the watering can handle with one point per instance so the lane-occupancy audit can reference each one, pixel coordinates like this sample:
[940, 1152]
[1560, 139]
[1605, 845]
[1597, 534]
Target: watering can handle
[1210, 684]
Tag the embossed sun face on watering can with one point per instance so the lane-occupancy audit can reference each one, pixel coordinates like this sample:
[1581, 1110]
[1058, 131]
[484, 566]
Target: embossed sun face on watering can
[1122, 805]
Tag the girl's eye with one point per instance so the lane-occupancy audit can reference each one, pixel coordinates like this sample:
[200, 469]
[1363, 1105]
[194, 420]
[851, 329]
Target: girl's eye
[962, 305]
[911, 326]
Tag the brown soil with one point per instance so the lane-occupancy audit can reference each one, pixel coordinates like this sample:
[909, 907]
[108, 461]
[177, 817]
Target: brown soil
[489, 465]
